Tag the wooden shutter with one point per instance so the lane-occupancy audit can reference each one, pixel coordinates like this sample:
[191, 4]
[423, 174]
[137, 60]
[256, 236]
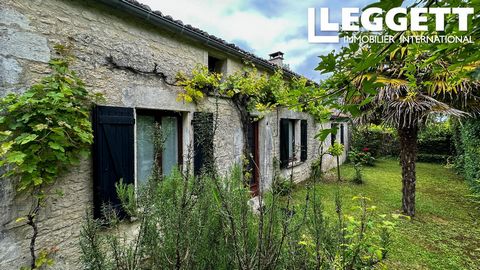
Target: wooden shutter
[202, 142]
[284, 143]
[303, 140]
[113, 155]
[333, 135]
[342, 133]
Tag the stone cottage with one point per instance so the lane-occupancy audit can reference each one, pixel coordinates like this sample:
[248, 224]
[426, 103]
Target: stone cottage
[131, 55]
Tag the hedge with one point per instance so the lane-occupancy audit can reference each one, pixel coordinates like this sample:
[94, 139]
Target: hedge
[467, 143]
[432, 158]
[435, 143]
[380, 141]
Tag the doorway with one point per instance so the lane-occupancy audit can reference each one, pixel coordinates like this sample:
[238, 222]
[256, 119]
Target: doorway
[253, 164]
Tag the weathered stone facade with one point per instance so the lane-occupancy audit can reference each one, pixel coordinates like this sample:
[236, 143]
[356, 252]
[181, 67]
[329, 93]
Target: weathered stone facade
[104, 41]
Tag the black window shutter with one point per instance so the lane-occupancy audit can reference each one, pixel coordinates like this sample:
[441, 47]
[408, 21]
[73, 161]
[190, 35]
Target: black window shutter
[284, 143]
[333, 135]
[303, 140]
[202, 142]
[113, 154]
[342, 133]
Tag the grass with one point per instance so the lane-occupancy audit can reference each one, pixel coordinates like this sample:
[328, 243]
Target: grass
[445, 233]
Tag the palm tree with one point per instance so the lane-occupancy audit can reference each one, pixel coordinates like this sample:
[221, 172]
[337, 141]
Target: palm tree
[404, 106]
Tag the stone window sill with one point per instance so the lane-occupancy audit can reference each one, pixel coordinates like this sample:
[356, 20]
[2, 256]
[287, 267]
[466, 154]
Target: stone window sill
[294, 164]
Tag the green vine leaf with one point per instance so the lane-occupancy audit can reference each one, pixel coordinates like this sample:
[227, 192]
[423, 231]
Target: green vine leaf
[44, 130]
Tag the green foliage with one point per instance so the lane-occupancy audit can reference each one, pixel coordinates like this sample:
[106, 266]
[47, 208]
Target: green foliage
[44, 132]
[44, 258]
[47, 129]
[438, 127]
[316, 170]
[421, 78]
[283, 186]
[91, 245]
[358, 240]
[468, 152]
[363, 157]
[366, 238]
[360, 159]
[356, 59]
[445, 233]
[433, 158]
[126, 194]
[336, 149]
[259, 91]
[435, 143]
[358, 177]
[379, 140]
[201, 83]
[207, 223]
[435, 140]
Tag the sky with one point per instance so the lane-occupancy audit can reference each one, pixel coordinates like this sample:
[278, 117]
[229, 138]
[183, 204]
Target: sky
[261, 26]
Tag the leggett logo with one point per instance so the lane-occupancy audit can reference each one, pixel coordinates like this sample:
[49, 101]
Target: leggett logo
[395, 19]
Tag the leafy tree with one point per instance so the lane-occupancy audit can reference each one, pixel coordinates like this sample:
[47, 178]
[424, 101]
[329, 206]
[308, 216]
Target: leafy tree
[401, 84]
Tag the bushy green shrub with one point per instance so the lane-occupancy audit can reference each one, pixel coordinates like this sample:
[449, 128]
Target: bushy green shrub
[126, 194]
[380, 140]
[207, 223]
[433, 158]
[360, 159]
[283, 187]
[435, 141]
[357, 241]
[363, 157]
[467, 143]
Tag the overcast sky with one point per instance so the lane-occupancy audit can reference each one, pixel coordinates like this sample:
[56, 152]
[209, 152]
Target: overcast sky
[260, 26]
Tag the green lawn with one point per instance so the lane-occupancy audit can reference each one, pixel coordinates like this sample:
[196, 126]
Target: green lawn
[445, 234]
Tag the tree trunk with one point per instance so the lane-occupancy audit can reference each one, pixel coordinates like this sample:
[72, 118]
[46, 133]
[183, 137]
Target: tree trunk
[408, 156]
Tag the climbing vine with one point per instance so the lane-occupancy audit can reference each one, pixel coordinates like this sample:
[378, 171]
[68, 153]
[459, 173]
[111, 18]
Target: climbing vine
[253, 91]
[198, 85]
[43, 132]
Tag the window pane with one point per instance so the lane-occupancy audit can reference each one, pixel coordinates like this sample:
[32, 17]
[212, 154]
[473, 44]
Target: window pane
[170, 147]
[145, 147]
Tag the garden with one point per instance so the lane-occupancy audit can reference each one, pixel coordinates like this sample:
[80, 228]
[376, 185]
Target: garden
[408, 196]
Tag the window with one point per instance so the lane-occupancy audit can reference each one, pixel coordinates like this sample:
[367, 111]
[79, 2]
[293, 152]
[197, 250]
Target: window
[215, 64]
[114, 149]
[293, 132]
[167, 126]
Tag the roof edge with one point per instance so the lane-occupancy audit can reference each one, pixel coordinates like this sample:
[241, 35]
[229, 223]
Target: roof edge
[177, 27]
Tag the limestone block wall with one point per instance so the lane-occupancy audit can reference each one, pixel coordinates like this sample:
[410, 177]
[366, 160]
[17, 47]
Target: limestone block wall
[270, 146]
[133, 64]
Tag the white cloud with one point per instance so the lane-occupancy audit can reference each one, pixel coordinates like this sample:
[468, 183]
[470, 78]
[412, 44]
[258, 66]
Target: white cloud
[234, 20]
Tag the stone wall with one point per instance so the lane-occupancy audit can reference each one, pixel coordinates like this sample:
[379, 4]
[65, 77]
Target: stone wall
[105, 43]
